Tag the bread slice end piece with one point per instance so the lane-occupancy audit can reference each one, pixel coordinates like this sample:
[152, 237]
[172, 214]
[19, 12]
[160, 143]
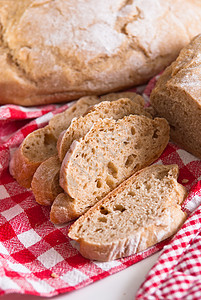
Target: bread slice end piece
[62, 209]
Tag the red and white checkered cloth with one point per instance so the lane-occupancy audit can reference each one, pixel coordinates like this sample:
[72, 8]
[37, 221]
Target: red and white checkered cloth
[36, 257]
[177, 273]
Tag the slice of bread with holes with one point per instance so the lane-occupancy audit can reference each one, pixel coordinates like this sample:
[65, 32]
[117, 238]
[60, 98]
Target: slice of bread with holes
[29, 155]
[106, 109]
[45, 180]
[108, 154]
[142, 211]
[41, 143]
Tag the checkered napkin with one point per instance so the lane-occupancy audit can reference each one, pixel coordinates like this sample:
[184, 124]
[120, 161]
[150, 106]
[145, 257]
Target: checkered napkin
[36, 257]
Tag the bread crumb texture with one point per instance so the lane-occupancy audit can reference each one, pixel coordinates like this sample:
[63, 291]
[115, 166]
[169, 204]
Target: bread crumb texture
[108, 154]
[142, 211]
[177, 95]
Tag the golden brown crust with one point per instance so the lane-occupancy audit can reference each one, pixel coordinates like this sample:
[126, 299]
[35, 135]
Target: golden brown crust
[36, 147]
[45, 182]
[47, 62]
[22, 169]
[62, 209]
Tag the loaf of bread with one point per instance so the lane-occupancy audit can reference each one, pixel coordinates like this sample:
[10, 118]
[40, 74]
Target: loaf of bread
[45, 179]
[177, 95]
[54, 51]
[142, 211]
[108, 154]
[41, 144]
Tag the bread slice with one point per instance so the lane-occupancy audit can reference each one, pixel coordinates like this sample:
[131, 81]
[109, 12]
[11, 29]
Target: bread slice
[35, 148]
[41, 144]
[108, 154]
[177, 95]
[63, 209]
[131, 95]
[44, 189]
[80, 126]
[45, 183]
[61, 121]
[142, 211]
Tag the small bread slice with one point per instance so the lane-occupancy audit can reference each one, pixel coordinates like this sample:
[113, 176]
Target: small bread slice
[35, 148]
[142, 211]
[44, 189]
[41, 143]
[108, 154]
[45, 183]
[106, 109]
[62, 209]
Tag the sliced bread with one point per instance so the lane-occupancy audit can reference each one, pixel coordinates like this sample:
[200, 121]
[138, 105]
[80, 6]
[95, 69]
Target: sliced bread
[35, 148]
[41, 144]
[142, 211]
[80, 126]
[44, 186]
[63, 209]
[45, 183]
[131, 95]
[61, 121]
[108, 154]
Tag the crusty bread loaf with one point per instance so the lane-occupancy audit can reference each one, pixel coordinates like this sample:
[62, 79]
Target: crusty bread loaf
[80, 126]
[177, 95]
[108, 154]
[54, 51]
[41, 144]
[142, 211]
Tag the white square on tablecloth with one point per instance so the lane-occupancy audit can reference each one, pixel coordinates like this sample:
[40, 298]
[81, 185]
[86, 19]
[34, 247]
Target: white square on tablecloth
[74, 277]
[18, 268]
[41, 286]
[12, 212]
[3, 192]
[186, 157]
[29, 238]
[8, 284]
[3, 250]
[50, 258]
